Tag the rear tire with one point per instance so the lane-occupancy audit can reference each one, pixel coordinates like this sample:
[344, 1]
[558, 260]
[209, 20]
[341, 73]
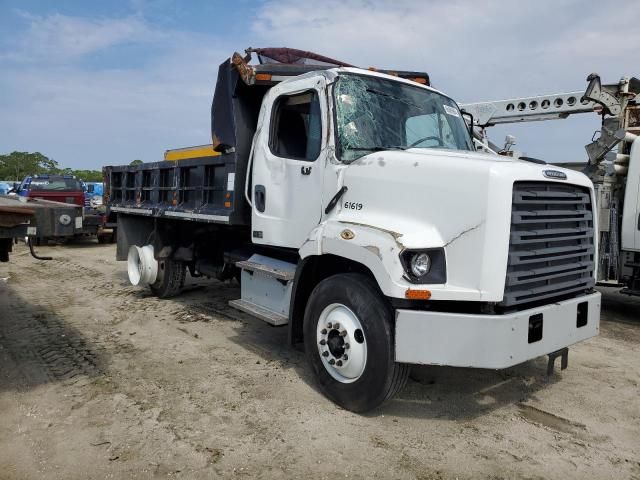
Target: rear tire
[364, 335]
[170, 280]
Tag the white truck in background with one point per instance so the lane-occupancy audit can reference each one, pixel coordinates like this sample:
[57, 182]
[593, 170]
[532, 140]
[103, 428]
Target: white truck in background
[355, 209]
[613, 162]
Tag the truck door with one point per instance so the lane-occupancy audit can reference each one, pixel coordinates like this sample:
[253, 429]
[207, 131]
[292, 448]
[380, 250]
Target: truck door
[288, 164]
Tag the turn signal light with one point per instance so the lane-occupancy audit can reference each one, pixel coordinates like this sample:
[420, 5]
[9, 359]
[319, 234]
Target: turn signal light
[263, 77]
[417, 294]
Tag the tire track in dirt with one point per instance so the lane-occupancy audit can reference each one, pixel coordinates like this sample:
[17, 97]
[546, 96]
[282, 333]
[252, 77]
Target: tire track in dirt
[44, 347]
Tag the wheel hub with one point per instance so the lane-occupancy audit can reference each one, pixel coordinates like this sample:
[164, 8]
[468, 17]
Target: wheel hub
[341, 343]
[335, 342]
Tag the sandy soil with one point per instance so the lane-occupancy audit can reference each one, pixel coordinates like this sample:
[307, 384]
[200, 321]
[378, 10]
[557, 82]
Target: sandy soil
[99, 379]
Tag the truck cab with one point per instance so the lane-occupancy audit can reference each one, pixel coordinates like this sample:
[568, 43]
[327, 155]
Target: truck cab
[57, 188]
[357, 212]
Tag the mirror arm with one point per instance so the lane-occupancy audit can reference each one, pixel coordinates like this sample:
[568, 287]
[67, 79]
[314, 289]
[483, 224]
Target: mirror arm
[470, 115]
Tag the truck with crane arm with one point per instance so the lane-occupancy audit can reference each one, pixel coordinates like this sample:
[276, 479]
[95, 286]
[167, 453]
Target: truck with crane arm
[613, 162]
[353, 207]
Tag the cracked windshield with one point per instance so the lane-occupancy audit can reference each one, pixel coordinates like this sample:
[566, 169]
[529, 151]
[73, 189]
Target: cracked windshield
[376, 114]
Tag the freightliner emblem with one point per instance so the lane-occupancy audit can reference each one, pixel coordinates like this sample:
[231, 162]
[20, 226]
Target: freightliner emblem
[555, 174]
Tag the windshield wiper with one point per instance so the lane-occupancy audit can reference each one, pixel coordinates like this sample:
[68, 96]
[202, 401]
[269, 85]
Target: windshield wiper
[376, 148]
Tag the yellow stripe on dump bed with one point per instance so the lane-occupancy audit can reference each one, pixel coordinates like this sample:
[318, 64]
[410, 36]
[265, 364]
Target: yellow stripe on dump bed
[190, 152]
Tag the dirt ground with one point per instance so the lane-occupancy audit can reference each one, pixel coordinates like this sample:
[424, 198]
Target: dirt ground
[98, 379]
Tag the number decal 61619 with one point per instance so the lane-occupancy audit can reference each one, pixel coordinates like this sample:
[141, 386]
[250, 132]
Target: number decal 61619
[352, 205]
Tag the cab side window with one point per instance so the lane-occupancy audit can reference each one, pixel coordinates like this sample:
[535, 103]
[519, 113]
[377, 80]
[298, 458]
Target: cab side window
[296, 127]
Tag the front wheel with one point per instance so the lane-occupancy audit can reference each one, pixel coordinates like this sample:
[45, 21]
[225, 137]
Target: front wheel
[349, 343]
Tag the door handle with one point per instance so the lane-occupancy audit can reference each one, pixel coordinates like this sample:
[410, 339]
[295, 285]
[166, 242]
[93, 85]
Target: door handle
[260, 197]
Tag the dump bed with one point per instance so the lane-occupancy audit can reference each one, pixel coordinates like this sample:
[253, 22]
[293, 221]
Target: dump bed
[201, 188]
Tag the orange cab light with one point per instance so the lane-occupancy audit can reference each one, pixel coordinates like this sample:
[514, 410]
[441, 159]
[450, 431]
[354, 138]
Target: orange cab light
[227, 204]
[421, 80]
[417, 294]
[263, 77]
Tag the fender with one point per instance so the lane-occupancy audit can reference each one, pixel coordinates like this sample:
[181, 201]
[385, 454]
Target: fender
[379, 251]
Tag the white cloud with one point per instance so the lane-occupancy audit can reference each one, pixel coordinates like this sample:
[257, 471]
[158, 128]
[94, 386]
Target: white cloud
[474, 50]
[91, 115]
[57, 38]
[86, 117]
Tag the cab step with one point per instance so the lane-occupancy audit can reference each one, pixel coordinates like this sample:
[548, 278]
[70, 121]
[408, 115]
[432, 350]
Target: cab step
[259, 312]
[265, 290]
[277, 271]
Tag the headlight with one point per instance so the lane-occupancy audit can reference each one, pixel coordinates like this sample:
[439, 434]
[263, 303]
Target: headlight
[64, 219]
[425, 265]
[420, 264]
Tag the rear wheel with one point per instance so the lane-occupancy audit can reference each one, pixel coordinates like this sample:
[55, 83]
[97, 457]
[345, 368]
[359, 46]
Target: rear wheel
[349, 343]
[170, 278]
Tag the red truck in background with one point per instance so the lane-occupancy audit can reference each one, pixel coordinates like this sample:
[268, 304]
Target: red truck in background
[71, 190]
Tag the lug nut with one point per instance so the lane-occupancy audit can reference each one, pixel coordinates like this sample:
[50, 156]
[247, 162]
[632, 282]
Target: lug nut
[323, 342]
[346, 346]
[339, 363]
[343, 333]
[323, 331]
[329, 325]
[345, 357]
[325, 354]
[336, 326]
[332, 362]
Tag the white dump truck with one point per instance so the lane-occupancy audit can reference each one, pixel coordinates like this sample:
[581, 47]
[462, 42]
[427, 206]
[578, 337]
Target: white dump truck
[353, 207]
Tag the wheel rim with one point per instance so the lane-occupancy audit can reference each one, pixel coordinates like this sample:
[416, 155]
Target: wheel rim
[341, 343]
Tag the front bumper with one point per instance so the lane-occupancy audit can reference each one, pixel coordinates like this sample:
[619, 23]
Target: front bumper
[491, 341]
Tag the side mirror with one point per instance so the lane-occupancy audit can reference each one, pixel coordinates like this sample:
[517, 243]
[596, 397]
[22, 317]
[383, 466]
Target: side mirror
[509, 142]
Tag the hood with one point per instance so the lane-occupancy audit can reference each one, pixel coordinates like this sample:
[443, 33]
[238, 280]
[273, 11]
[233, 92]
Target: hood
[434, 198]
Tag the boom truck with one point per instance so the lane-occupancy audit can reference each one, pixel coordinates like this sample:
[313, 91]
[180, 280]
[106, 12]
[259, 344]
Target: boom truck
[613, 162]
[353, 207]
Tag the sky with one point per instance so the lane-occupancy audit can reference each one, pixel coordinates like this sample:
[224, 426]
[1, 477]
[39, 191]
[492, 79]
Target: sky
[103, 83]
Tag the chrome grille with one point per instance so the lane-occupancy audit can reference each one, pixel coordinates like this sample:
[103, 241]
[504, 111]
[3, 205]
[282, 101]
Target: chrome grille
[551, 246]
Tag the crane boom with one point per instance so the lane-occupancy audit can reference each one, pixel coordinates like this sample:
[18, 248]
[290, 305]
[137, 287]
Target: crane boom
[529, 109]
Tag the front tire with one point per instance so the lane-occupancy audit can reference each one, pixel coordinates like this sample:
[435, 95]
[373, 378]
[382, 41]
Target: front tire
[170, 279]
[349, 343]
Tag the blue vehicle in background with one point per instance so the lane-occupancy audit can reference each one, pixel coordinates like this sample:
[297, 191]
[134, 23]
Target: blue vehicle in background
[5, 187]
[93, 194]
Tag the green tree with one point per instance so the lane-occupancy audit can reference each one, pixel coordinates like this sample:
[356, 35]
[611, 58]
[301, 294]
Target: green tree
[16, 165]
[136, 162]
[88, 175]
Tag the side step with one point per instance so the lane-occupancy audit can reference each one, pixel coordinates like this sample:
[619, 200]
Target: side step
[275, 271]
[259, 312]
[266, 285]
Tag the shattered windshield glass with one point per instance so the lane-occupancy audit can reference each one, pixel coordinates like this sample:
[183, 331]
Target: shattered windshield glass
[374, 114]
